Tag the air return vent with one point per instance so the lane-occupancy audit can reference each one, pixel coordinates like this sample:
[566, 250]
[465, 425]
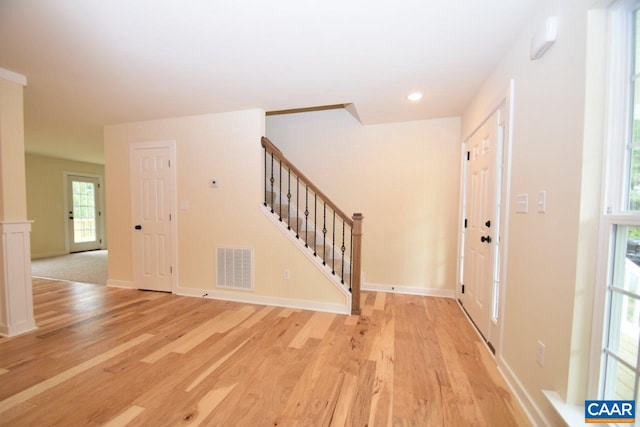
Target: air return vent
[234, 267]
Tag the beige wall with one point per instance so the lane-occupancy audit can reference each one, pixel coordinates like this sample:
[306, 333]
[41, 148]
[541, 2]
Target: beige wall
[45, 201]
[13, 204]
[404, 178]
[543, 253]
[225, 147]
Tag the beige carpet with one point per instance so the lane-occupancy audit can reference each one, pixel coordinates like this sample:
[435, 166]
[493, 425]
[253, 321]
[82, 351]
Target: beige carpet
[86, 267]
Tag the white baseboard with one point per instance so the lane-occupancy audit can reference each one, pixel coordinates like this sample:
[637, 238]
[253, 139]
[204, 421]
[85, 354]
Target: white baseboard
[120, 284]
[528, 405]
[409, 290]
[48, 254]
[266, 300]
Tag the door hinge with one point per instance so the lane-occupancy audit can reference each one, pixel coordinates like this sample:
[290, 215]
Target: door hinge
[465, 223]
[468, 155]
[169, 217]
[463, 289]
[170, 270]
[99, 213]
[98, 185]
[100, 241]
[169, 161]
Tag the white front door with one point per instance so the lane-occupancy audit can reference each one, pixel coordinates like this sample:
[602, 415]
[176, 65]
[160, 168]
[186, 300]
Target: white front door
[481, 232]
[152, 186]
[83, 212]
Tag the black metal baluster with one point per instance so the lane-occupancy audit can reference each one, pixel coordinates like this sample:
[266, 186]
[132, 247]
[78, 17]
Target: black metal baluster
[315, 223]
[324, 234]
[306, 216]
[289, 201]
[265, 176]
[280, 194]
[342, 249]
[333, 246]
[297, 207]
[272, 180]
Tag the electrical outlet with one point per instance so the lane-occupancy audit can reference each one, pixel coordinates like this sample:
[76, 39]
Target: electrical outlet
[540, 353]
[287, 274]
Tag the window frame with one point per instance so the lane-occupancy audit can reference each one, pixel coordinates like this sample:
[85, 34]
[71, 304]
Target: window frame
[615, 212]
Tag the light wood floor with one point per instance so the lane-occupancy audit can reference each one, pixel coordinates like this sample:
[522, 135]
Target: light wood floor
[106, 356]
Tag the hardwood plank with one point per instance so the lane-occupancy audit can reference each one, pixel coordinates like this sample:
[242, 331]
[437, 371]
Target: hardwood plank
[407, 360]
[316, 327]
[125, 417]
[64, 376]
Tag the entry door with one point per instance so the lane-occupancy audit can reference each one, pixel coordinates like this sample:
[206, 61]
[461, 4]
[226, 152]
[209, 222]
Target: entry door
[152, 187]
[83, 213]
[481, 228]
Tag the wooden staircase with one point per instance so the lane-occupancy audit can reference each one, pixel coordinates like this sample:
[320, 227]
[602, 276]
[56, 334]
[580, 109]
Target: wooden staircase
[332, 237]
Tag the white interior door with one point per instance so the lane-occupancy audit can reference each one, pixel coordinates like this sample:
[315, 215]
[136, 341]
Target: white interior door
[83, 213]
[152, 186]
[481, 228]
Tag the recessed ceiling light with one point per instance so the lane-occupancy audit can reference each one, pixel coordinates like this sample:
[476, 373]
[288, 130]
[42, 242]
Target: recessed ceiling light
[415, 96]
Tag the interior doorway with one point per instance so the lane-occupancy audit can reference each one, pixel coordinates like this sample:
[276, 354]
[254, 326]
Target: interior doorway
[83, 194]
[484, 218]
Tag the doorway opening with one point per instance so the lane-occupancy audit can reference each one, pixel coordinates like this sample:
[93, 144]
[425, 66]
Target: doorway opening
[84, 212]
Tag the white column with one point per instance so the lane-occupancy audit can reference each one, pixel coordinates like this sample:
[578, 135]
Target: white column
[16, 308]
[16, 299]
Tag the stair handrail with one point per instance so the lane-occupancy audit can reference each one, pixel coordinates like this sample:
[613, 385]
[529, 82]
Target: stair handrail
[271, 148]
[355, 222]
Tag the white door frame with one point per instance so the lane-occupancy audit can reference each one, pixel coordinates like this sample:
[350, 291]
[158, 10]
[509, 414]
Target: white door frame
[65, 202]
[171, 146]
[505, 103]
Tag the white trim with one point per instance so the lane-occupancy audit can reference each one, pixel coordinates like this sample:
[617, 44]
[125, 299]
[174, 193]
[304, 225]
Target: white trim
[15, 280]
[528, 405]
[409, 290]
[13, 77]
[314, 260]
[266, 300]
[573, 415]
[120, 284]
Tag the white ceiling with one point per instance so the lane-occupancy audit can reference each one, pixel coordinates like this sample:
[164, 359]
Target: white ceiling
[96, 62]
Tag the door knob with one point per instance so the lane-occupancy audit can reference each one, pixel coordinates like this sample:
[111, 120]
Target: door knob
[485, 239]
[138, 227]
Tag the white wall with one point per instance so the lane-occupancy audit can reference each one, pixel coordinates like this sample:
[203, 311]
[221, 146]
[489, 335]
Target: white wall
[404, 178]
[543, 256]
[226, 147]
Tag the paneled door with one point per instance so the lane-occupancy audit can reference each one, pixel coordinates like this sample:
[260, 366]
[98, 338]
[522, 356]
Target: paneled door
[479, 297]
[152, 187]
[83, 212]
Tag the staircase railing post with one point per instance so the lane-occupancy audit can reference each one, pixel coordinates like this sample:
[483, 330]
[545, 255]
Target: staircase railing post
[356, 253]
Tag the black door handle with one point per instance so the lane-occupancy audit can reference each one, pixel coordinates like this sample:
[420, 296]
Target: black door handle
[485, 239]
[138, 227]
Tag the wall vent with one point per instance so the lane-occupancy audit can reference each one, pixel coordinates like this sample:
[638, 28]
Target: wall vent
[234, 268]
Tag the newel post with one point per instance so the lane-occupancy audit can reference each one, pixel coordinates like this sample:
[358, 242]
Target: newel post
[356, 263]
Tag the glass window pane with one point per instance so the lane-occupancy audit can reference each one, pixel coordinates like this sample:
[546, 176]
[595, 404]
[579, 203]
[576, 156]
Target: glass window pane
[619, 381]
[626, 259]
[623, 331]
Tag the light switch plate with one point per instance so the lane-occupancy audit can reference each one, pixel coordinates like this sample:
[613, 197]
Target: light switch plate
[522, 203]
[542, 201]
